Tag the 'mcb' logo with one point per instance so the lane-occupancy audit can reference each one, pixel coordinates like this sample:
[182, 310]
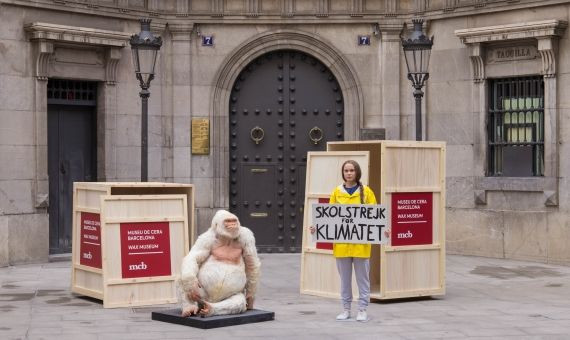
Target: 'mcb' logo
[405, 235]
[140, 266]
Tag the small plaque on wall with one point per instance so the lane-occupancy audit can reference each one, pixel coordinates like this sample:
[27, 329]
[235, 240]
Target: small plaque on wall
[208, 40]
[200, 136]
[364, 40]
[372, 134]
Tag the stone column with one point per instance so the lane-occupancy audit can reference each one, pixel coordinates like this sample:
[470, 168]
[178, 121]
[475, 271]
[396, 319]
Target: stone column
[107, 117]
[44, 52]
[389, 52]
[180, 64]
[479, 110]
[548, 48]
[160, 111]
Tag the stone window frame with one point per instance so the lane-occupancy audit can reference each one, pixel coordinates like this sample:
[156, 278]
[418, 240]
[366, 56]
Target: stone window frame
[545, 34]
[45, 37]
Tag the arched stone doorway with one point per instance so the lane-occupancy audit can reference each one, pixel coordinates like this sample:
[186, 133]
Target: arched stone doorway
[309, 43]
[282, 105]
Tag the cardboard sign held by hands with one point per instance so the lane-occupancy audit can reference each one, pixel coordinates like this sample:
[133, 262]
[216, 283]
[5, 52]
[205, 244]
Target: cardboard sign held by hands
[350, 223]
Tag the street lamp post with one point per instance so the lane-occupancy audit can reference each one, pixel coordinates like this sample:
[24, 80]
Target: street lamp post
[417, 50]
[145, 49]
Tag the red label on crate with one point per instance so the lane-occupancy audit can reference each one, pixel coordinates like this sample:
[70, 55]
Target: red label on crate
[90, 243]
[145, 249]
[412, 222]
[324, 245]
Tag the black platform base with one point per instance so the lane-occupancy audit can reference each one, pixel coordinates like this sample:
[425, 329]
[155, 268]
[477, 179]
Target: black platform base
[250, 316]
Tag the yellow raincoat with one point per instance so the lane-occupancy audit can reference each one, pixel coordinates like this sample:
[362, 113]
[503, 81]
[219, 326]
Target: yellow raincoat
[340, 196]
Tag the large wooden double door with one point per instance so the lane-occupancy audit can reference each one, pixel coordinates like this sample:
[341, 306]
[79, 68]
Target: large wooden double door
[282, 105]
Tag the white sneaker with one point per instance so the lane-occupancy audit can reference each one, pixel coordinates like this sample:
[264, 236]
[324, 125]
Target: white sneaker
[362, 316]
[343, 316]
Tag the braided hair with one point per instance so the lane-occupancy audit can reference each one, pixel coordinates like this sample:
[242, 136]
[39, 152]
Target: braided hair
[358, 172]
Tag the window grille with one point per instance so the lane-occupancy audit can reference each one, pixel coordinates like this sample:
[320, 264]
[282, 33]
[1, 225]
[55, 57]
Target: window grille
[72, 92]
[516, 127]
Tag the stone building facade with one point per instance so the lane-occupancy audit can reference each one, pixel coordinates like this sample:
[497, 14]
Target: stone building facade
[496, 95]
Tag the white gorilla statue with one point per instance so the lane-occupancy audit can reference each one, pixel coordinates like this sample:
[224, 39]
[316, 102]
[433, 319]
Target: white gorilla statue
[219, 276]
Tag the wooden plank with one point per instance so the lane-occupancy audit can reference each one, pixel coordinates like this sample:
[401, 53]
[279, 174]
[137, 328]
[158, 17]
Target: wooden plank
[436, 218]
[141, 207]
[126, 303]
[131, 184]
[388, 143]
[412, 270]
[318, 195]
[140, 294]
[321, 276]
[141, 280]
[307, 241]
[88, 269]
[442, 219]
[88, 280]
[385, 198]
[413, 248]
[178, 245]
[413, 189]
[100, 186]
[318, 251]
[145, 219]
[89, 199]
[413, 293]
[323, 182]
[105, 242]
[88, 210]
[191, 218]
[404, 165]
[74, 243]
[88, 292]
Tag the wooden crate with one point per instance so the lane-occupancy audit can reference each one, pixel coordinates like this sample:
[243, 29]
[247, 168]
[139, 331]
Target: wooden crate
[115, 225]
[397, 171]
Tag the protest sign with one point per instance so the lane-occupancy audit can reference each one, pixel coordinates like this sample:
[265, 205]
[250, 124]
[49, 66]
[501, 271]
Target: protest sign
[350, 223]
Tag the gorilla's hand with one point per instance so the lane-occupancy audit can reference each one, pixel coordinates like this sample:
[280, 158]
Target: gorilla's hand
[205, 310]
[189, 310]
[249, 302]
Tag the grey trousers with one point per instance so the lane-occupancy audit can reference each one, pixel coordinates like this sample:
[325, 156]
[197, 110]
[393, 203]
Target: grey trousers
[362, 272]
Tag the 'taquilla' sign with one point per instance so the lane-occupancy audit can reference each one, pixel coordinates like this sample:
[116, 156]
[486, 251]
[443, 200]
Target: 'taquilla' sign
[511, 53]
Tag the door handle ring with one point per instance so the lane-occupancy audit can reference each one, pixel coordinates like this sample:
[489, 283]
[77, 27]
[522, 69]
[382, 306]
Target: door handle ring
[257, 134]
[316, 135]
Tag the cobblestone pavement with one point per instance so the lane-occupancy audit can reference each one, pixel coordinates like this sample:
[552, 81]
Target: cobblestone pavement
[485, 299]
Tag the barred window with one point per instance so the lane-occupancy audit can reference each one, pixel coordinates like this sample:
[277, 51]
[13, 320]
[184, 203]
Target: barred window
[515, 127]
[71, 92]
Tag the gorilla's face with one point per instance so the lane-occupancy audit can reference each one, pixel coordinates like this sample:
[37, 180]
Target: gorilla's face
[229, 228]
[225, 224]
